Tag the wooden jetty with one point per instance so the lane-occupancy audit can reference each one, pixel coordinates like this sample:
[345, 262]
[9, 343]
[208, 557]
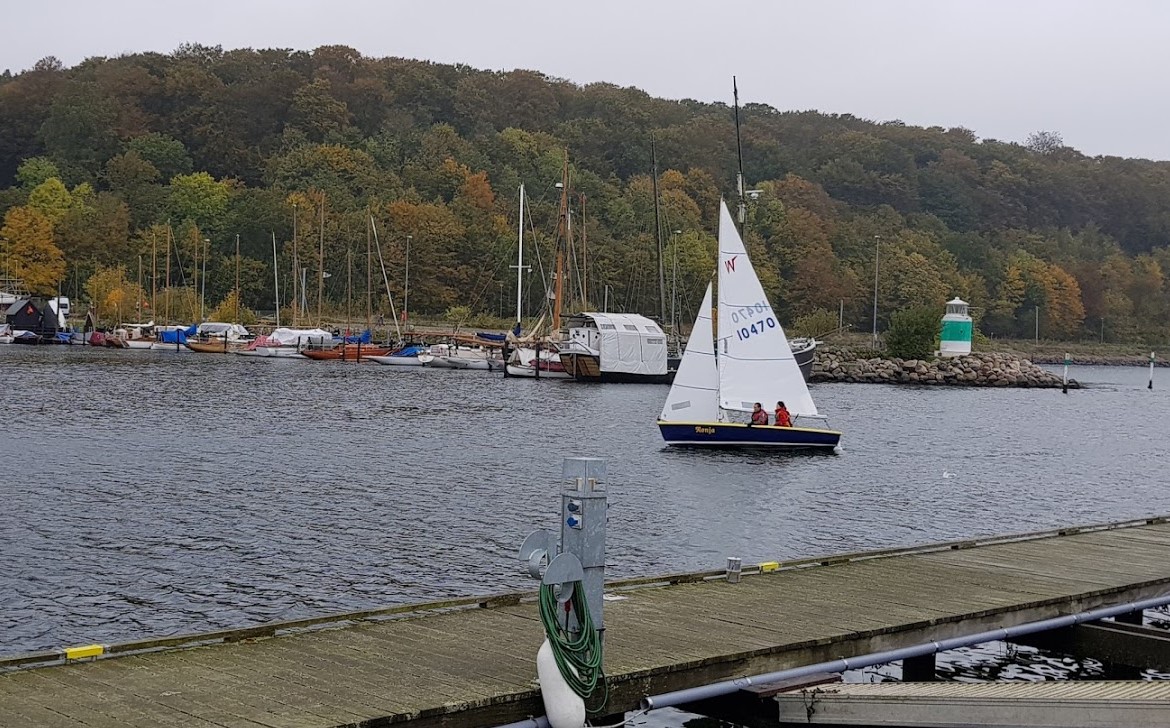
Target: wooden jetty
[470, 662]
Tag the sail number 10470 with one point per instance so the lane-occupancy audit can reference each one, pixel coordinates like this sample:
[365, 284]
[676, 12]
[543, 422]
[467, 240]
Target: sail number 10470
[757, 327]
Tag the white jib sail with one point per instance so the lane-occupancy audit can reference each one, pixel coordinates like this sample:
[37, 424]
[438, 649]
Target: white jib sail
[694, 395]
[755, 361]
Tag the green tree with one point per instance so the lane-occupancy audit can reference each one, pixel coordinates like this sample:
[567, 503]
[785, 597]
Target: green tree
[913, 332]
[198, 197]
[166, 154]
[35, 170]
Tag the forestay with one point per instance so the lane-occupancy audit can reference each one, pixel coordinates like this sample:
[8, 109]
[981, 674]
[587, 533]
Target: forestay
[694, 395]
[755, 361]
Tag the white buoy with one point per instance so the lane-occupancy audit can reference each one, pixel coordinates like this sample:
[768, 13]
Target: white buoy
[563, 707]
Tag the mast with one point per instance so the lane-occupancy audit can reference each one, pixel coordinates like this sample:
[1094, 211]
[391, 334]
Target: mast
[296, 273]
[169, 235]
[584, 258]
[197, 242]
[562, 231]
[139, 303]
[275, 279]
[385, 278]
[520, 261]
[348, 290]
[369, 278]
[153, 272]
[658, 235]
[321, 263]
[739, 158]
[237, 319]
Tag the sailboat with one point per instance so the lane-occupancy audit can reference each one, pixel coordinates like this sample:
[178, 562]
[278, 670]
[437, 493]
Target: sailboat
[754, 363]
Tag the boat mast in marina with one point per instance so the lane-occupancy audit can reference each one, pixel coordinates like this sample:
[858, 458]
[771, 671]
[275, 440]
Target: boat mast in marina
[153, 272]
[321, 263]
[138, 293]
[562, 234]
[385, 278]
[237, 314]
[520, 263]
[170, 238]
[296, 273]
[275, 279]
[369, 279]
[658, 235]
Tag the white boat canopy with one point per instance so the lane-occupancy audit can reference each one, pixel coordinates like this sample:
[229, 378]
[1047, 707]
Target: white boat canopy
[626, 342]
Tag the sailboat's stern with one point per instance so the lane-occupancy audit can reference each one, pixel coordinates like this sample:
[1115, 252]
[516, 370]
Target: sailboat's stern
[727, 434]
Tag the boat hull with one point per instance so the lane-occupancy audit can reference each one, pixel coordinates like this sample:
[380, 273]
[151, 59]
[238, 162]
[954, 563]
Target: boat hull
[347, 352]
[216, 347]
[587, 368]
[530, 372]
[728, 434]
[396, 361]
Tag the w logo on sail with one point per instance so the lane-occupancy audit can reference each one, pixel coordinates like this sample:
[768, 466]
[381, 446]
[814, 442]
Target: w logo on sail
[730, 264]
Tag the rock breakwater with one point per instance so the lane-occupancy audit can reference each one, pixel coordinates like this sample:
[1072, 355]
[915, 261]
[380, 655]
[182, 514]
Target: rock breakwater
[975, 370]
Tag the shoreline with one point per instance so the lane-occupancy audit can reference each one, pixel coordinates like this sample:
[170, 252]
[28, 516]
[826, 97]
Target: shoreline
[983, 369]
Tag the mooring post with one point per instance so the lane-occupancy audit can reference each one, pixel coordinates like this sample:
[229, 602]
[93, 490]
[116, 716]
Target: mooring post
[1064, 384]
[1151, 386]
[583, 520]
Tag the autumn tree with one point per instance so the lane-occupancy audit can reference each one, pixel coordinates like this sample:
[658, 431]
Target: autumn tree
[35, 260]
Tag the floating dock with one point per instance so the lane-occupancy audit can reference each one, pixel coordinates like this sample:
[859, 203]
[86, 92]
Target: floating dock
[470, 662]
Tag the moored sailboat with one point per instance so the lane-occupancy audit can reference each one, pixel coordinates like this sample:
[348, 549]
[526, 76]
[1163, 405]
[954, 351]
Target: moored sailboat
[753, 363]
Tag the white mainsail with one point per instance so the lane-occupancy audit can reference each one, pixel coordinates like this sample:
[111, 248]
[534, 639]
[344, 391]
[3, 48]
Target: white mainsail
[694, 395]
[755, 361]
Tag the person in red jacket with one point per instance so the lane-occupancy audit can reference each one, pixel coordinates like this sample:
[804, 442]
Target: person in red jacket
[783, 419]
[759, 416]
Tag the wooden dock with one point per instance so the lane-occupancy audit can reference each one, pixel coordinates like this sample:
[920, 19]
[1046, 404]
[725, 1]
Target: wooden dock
[471, 662]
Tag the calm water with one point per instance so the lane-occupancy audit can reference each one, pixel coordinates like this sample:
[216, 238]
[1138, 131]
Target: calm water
[148, 493]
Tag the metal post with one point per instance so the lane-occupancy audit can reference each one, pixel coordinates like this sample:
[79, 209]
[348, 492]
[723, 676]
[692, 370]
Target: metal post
[583, 519]
[877, 242]
[406, 284]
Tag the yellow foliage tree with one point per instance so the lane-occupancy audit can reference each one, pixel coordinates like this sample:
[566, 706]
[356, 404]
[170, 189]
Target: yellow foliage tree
[232, 311]
[35, 259]
[113, 296]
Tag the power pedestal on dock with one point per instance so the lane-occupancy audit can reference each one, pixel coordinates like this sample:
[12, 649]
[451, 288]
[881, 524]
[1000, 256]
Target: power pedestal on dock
[579, 555]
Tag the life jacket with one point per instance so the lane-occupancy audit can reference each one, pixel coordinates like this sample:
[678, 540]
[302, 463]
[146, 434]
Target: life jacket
[760, 418]
[782, 418]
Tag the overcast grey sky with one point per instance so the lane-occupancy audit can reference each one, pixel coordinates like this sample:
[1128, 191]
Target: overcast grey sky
[1093, 71]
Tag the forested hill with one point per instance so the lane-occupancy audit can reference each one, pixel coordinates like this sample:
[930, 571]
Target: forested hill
[103, 162]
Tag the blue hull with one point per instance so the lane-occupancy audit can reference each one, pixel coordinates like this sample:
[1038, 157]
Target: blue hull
[723, 434]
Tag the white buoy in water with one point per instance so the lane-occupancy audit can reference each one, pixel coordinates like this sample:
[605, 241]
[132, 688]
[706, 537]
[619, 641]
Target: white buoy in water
[563, 707]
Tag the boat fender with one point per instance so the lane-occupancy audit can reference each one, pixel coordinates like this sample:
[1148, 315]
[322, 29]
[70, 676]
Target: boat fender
[563, 707]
